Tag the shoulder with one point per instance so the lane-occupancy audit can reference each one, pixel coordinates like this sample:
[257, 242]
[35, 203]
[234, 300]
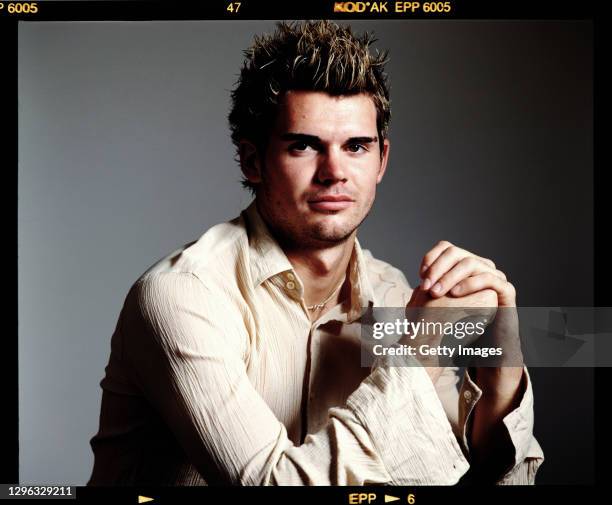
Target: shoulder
[212, 259]
[174, 307]
[389, 283]
[156, 289]
[380, 270]
[200, 278]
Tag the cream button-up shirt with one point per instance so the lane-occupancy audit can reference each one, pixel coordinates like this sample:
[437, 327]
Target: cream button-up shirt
[217, 375]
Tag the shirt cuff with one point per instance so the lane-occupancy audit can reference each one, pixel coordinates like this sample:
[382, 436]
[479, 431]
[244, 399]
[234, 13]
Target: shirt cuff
[399, 406]
[518, 423]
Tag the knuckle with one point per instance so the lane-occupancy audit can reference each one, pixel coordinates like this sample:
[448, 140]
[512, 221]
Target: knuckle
[486, 297]
[489, 279]
[489, 262]
[471, 262]
[490, 292]
[468, 282]
[444, 243]
[486, 277]
[434, 272]
[491, 297]
[461, 253]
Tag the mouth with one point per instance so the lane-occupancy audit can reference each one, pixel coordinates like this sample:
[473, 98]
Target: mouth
[331, 202]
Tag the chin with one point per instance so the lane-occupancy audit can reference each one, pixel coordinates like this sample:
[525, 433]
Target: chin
[336, 232]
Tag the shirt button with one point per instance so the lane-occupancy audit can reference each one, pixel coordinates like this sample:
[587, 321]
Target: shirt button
[290, 277]
[467, 395]
[290, 285]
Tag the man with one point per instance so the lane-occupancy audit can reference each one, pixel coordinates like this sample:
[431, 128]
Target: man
[236, 359]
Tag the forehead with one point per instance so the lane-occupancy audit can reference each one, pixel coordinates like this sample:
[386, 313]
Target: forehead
[326, 116]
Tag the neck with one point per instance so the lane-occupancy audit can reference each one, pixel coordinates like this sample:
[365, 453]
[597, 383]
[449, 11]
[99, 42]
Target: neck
[320, 266]
[322, 269]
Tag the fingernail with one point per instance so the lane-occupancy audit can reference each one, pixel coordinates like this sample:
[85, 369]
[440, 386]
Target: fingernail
[424, 268]
[456, 290]
[426, 284]
[437, 287]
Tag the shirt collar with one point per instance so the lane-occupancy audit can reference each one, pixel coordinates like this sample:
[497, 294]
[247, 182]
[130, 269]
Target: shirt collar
[267, 259]
[362, 293]
[266, 256]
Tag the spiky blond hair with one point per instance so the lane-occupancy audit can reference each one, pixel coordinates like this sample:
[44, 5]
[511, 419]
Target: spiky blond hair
[310, 56]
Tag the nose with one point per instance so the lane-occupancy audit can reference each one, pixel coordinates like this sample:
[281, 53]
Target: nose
[331, 167]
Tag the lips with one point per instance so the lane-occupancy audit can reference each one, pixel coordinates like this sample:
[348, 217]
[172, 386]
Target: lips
[330, 202]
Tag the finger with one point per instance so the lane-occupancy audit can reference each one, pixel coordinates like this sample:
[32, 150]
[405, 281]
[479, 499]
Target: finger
[506, 292]
[443, 263]
[501, 275]
[487, 261]
[432, 255]
[466, 267]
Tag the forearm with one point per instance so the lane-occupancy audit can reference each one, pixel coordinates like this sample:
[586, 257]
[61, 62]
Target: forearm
[491, 448]
[189, 366]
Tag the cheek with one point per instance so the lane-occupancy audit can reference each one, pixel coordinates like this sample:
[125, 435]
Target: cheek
[288, 174]
[367, 180]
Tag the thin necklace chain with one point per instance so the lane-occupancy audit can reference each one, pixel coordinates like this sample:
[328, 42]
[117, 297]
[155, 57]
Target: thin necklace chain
[322, 304]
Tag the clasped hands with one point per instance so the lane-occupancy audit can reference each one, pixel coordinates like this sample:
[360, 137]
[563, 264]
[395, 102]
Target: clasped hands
[455, 278]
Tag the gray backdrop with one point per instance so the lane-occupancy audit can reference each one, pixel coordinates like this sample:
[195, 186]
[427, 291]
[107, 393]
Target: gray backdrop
[124, 155]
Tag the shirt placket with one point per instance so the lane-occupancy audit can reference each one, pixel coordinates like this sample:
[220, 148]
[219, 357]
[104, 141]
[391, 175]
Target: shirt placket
[314, 356]
[291, 285]
[294, 289]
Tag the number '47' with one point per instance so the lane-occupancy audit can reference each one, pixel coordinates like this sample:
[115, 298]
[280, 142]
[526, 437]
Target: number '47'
[234, 7]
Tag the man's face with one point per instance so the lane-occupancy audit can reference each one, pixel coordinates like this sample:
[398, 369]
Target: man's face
[317, 180]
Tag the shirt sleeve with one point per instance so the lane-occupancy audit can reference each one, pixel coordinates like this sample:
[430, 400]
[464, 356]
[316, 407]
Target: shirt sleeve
[528, 455]
[187, 355]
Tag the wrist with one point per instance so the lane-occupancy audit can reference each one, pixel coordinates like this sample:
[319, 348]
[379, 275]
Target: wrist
[498, 382]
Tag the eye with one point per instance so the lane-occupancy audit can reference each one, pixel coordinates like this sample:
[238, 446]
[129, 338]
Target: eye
[356, 148]
[300, 147]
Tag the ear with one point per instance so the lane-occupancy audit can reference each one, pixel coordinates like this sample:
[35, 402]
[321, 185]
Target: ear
[250, 162]
[386, 146]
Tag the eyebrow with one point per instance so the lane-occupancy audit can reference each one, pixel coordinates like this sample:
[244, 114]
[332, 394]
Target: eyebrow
[313, 139]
